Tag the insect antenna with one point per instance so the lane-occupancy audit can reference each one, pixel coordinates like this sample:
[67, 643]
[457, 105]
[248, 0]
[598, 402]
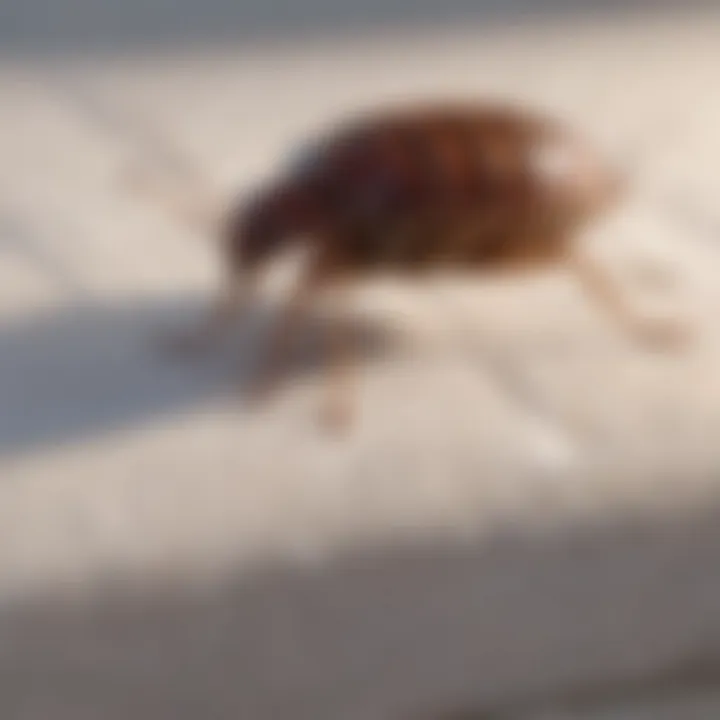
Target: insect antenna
[158, 168]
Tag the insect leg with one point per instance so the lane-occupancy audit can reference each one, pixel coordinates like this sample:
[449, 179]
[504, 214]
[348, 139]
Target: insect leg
[231, 300]
[337, 409]
[606, 292]
[283, 333]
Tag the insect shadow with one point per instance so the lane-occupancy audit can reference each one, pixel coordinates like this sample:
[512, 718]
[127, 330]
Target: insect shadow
[92, 369]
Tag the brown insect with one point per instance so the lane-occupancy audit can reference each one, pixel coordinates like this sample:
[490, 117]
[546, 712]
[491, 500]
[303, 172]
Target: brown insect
[415, 189]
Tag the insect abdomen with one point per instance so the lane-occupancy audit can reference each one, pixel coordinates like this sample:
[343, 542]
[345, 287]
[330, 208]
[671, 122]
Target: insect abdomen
[421, 190]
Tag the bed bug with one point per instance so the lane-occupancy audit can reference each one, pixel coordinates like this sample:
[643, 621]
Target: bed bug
[414, 189]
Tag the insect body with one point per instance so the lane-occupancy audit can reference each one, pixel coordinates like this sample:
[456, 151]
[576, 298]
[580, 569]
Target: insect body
[416, 189]
[472, 186]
